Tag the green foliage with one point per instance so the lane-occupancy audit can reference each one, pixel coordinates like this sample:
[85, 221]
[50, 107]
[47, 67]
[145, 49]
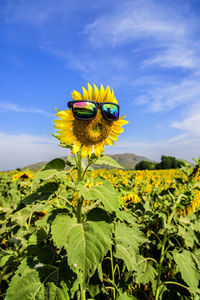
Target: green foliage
[188, 270]
[104, 160]
[65, 237]
[145, 165]
[169, 162]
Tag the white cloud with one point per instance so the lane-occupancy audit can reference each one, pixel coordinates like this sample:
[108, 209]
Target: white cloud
[23, 149]
[163, 96]
[6, 107]
[183, 146]
[165, 32]
[190, 124]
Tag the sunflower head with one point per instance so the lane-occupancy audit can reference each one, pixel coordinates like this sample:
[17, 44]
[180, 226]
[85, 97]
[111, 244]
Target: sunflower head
[89, 135]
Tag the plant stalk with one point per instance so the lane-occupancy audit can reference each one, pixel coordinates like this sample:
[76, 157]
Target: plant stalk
[112, 271]
[162, 254]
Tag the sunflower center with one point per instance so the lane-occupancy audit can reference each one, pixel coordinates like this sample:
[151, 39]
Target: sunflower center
[97, 127]
[91, 132]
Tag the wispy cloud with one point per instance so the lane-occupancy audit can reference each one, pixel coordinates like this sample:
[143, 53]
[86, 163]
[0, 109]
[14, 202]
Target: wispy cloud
[166, 34]
[190, 124]
[24, 149]
[30, 149]
[178, 146]
[164, 96]
[6, 107]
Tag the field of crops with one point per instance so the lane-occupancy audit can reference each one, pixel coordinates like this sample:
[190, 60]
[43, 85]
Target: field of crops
[79, 233]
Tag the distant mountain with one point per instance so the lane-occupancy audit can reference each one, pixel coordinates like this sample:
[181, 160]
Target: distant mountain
[126, 160]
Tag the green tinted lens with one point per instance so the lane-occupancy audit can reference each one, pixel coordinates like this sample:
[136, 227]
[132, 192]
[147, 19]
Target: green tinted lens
[110, 111]
[84, 110]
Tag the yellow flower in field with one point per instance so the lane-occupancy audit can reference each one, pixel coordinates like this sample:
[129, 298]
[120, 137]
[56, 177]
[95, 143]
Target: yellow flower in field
[191, 208]
[15, 177]
[96, 132]
[125, 181]
[25, 175]
[131, 198]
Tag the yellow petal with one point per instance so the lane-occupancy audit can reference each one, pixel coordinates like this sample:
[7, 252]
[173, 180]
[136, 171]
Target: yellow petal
[97, 150]
[62, 126]
[68, 140]
[90, 92]
[102, 147]
[66, 114]
[76, 95]
[85, 93]
[89, 150]
[76, 147]
[117, 131]
[108, 141]
[102, 94]
[84, 151]
[113, 136]
[62, 122]
[121, 122]
[121, 118]
[66, 132]
[96, 92]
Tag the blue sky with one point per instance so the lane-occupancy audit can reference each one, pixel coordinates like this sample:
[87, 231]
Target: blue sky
[147, 51]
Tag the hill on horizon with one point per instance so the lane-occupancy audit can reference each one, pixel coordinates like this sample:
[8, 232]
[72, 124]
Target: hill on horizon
[126, 160]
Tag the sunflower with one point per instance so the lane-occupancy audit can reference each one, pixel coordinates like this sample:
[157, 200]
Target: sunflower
[89, 135]
[15, 177]
[25, 175]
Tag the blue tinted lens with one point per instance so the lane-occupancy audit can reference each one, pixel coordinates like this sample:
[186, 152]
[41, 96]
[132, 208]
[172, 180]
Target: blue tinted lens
[84, 110]
[110, 111]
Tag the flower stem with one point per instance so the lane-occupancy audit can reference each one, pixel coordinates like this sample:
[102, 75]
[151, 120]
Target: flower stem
[79, 161]
[112, 270]
[163, 252]
[79, 204]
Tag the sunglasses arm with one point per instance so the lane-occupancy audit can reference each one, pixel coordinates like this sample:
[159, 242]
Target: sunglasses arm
[70, 104]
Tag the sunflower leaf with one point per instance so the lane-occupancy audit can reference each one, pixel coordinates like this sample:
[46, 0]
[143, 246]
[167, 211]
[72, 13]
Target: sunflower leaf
[87, 244]
[34, 282]
[57, 163]
[187, 268]
[128, 240]
[104, 193]
[104, 160]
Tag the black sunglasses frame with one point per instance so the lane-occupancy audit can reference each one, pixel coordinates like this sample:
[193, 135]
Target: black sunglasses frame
[97, 104]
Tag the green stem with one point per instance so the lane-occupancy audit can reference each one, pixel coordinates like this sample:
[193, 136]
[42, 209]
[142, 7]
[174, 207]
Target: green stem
[176, 283]
[85, 171]
[82, 293]
[112, 270]
[79, 178]
[162, 255]
[79, 208]
[163, 252]
[79, 167]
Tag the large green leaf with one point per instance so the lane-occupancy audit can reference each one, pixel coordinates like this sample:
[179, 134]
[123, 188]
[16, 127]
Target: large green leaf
[41, 194]
[128, 240]
[44, 175]
[42, 282]
[60, 227]
[105, 193]
[107, 160]
[188, 235]
[126, 296]
[187, 268]
[57, 163]
[145, 271]
[50, 169]
[87, 245]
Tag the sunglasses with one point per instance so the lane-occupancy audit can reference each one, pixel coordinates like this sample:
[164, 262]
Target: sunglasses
[87, 110]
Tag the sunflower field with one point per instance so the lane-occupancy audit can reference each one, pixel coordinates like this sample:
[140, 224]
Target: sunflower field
[71, 232]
